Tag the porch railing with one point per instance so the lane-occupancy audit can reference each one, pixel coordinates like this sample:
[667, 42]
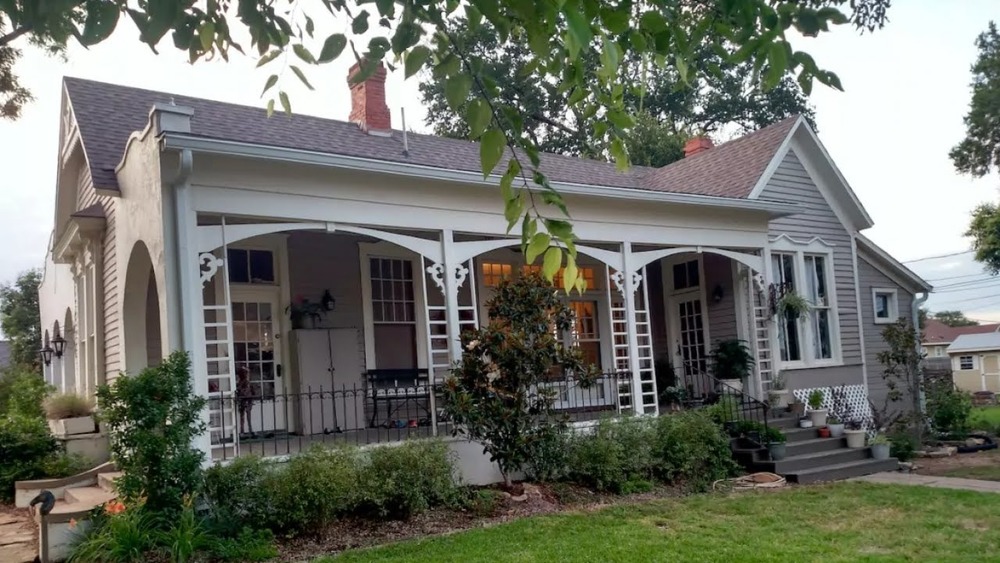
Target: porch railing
[278, 424]
[740, 412]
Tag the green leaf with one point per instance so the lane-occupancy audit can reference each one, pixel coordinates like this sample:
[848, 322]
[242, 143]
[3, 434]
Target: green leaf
[303, 53]
[360, 23]
[456, 90]
[270, 107]
[615, 19]
[332, 47]
[478, 115]
[570, 273]
[298, 72]
[491, 149]
[512, 211]
[206, 35]
[271, 81]
[536, 246]
[270, 56]
[285, 104]
[777, 62]
[415, 60]
[579, 27]
[833, 15]
[101, 20]
[620, 154]
[551, 262]
[560, 229]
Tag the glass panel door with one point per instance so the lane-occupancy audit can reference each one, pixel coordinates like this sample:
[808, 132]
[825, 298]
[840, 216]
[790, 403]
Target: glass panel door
[259, 383]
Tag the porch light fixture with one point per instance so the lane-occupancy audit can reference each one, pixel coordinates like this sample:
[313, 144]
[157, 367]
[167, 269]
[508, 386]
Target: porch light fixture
[46, 355]
[328, 302]
[59, 345]
[717, 293]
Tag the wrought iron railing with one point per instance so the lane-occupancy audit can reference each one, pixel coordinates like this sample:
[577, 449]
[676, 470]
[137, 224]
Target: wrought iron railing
[742, 415]
[277, 424]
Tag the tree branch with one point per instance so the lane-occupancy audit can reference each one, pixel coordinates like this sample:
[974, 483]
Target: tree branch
[6, 39]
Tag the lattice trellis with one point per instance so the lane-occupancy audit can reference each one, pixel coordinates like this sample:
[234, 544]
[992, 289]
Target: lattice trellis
[857, 400]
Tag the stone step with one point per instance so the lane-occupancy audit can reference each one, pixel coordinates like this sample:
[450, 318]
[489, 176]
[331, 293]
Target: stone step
[89, 496]
[839, 471]
[814, 445]
[797, 463]
[106, 481]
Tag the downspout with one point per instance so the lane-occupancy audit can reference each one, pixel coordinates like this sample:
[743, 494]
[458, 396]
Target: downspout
[915, 312]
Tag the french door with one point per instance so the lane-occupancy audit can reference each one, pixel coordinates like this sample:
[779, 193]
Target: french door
[262, 401]
[688, 324]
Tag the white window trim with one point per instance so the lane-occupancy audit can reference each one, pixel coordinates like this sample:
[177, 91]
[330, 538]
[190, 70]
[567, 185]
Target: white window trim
[382, 249]
[893, 305]
[972, 361]
[815, 246]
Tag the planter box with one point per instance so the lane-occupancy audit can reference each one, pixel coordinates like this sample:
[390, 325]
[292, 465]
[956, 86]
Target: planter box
[779, 398]
[73, 426]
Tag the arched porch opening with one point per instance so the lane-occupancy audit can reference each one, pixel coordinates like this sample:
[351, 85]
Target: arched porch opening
[141, 312]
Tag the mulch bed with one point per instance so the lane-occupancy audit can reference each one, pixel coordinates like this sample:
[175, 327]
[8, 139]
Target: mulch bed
[541, 499]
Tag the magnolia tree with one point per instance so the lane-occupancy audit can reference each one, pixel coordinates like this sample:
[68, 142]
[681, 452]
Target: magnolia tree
[501, 393]
[902, 375]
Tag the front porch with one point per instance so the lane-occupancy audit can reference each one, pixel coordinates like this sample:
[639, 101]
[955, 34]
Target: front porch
[367, 367]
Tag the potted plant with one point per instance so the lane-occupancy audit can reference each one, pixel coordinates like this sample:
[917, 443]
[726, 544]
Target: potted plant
[854, 431]
[304, 314]
[835, 425]
[70, 414]
[732, 363]
[673, 397]
[880, 446]
[775, 441]
[805, 422]
[792, 305]
[816, 411]
[778, 393]
[824, 432]
[797, 408]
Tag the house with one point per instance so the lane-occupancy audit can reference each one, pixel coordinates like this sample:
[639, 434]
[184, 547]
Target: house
[937, 337]
[975, 361]
[184, 223]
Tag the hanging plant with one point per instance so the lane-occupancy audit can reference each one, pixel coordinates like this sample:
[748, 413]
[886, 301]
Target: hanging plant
[793, 305]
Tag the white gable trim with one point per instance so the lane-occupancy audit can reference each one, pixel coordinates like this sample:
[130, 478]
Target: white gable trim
[786, 242]
[897, 272]
[811, 153]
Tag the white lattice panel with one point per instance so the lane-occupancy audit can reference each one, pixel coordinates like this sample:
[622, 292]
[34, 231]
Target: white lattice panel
[857, 400]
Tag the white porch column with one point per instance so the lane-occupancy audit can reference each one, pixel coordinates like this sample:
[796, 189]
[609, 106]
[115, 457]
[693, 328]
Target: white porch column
[451, 266]
[191, 314]
[629, 286]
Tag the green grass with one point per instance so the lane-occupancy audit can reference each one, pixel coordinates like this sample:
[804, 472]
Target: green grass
[839, 522]
[984, 472]
[988, 417]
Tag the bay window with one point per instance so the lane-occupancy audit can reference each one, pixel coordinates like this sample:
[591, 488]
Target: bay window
[811, 338]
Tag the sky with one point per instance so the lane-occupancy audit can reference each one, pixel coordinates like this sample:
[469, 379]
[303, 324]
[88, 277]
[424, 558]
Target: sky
[906, 91]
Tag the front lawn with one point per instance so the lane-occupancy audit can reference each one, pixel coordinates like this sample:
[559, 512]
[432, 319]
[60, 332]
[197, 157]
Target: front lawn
[985, 418]
[838, 522]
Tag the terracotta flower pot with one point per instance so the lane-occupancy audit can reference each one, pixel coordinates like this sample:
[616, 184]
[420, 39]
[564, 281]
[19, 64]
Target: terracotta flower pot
[824, 432]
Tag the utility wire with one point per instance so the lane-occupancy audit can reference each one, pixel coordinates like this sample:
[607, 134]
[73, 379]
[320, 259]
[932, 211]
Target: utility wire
[982, 275]
[936, 257]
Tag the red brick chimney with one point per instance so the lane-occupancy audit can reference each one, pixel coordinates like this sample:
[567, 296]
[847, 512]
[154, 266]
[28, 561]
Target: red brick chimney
[368, 107]
[696, 145]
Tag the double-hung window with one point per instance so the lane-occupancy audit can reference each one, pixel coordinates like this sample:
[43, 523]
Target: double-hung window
[811, 338]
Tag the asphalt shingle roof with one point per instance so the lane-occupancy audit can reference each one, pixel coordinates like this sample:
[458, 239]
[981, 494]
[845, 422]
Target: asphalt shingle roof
[936, 332]
[108, 113]
[986, 341]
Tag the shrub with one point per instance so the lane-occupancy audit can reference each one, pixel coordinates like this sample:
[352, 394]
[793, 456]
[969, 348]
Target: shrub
[184, 536]
[399, 481]
[25, 448]
[549, 460]
[690, 448]
[22, 393]
[239, 493]
[615, 457]
[903, 445]
[248, 545]
[67, 405]
[118, 538]
[153, 418]
[483, 502]
[948, 408]
[312, 489]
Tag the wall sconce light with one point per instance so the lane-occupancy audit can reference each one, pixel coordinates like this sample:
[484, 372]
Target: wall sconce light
[46, 355]
[328, 302]
[59, 345]
[717, 293]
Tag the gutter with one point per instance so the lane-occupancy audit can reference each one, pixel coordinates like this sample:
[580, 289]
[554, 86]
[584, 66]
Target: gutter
[249, 150]
[915, 313]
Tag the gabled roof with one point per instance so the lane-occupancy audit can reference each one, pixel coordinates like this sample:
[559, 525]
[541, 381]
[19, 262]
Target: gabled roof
[936, 332]
[892, 267]
[975, 342]
[107, 114]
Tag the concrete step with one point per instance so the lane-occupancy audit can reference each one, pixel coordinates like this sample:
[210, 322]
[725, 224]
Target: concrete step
[88, 496]
[783, 423]
[814, 445]
[839, 471]
[799, 434]
[797, 463]
[106, 481]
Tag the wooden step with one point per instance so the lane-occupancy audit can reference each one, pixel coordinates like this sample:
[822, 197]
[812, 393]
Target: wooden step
[841, 471]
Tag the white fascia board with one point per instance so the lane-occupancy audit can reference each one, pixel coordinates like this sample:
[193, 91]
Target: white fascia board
[248, 150]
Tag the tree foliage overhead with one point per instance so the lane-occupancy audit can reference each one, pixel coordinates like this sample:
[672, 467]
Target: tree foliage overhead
[564, 39]
[19, 319]
[954, 318]
[979, 152]
[666, 109]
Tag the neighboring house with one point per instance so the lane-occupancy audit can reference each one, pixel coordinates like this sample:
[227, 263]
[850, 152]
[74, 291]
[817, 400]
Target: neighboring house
[975, 361]
[937, 337]
[186, 223]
